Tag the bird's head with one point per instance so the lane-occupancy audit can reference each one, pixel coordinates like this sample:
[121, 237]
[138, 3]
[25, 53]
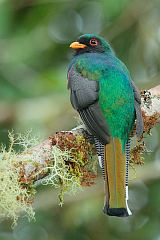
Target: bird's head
[91, 43]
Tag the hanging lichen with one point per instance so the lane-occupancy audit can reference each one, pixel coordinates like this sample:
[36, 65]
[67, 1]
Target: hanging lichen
[15, 197]
[73, 157]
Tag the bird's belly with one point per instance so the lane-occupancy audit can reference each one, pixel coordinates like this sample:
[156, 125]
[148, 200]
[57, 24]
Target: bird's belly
[119, 113]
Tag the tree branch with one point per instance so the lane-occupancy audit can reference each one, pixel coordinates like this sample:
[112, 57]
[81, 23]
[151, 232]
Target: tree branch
[151, 116]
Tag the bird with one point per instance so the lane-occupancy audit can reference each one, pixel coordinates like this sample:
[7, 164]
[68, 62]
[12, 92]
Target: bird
[108, 102]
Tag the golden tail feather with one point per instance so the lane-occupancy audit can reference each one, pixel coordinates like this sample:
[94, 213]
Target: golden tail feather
[115, 179]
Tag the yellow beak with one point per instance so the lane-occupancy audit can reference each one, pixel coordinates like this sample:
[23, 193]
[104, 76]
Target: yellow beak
[76, 45]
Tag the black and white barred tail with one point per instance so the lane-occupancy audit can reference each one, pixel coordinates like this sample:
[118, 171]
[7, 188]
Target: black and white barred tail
[127, 151]
[101, 158]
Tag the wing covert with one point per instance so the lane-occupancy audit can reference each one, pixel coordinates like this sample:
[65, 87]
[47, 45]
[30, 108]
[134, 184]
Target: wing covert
[84, 98]
[84, 92]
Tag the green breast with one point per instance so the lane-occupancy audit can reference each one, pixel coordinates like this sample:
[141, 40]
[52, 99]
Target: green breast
[116, 99]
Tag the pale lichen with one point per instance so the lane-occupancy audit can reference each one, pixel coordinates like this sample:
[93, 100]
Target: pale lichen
[14, 197]
[73, 165]
[60, 175]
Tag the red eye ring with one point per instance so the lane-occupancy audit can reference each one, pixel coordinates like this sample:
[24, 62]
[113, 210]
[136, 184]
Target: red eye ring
[93, 42]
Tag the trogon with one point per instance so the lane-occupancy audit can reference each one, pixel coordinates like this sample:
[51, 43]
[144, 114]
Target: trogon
[108, 102]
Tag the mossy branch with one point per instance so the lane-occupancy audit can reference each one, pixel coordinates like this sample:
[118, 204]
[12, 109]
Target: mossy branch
[66, 160]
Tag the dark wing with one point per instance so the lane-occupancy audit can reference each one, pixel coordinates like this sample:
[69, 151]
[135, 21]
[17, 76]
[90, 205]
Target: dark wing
[137, 105]
[84, 98]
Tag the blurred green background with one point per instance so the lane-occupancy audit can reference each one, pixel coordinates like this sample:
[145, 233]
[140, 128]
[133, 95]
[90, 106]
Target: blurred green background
[34, 54]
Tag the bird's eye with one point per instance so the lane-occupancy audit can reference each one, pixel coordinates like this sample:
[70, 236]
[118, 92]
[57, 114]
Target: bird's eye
[93, 42]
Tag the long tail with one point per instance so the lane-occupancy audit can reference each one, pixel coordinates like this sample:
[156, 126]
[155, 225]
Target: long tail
[115, 170]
